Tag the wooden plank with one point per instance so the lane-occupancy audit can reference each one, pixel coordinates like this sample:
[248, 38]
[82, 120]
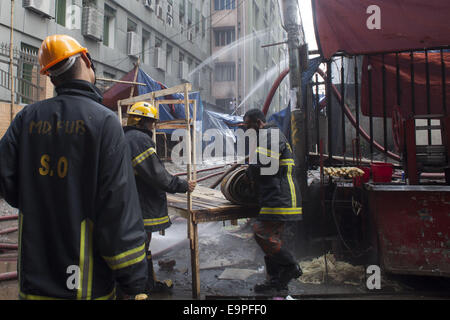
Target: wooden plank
[155, 94]
[173, 101]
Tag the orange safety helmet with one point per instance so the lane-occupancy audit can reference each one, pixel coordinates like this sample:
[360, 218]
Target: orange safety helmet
[57, 48]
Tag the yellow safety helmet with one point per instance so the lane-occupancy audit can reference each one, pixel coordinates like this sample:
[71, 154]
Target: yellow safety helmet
[144, 109]
[57, 48]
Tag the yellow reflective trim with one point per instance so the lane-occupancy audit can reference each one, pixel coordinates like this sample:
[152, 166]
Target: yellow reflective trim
[19, 254]
[268, 153]
[281, 211]
[124, 254]
[81, 263]
[35, 297]
[287, 162]
[292, 187]
[109, 296]
[91, 259]
[129, 263]
[144, 155]
[154, 222]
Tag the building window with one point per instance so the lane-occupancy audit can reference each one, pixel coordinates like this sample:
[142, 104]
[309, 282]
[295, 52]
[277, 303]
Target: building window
[256, 74]
[224, 4]
[60, 12]
[224, 37]
[145, 46]
[169, 59]
[225, 72]
[29, 73]
[109, 19]
[131, 26]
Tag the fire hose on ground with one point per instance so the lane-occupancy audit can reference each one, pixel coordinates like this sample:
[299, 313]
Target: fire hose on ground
[9, 218]
[8, 276]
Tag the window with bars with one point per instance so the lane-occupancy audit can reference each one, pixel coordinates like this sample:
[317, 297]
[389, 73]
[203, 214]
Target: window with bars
[224, 4]
[225, 72]
[224, 37]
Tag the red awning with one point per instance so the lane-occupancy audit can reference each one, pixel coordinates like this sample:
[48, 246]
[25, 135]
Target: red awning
[341, 25]
[434, 100]
[119, 91]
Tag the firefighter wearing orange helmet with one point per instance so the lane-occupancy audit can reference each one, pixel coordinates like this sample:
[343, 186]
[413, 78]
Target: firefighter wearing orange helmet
[152, 179]
[65, 165]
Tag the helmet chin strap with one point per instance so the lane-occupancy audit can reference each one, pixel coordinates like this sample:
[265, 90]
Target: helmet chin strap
[66, 66]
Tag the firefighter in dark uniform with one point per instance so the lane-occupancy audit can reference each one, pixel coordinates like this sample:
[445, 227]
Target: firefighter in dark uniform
[279, 199]
[65, 165]
[152, 179]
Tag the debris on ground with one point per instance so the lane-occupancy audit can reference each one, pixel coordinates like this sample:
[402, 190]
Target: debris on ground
[237, 274]
[218, 263]
[166, 265]
[339, 272]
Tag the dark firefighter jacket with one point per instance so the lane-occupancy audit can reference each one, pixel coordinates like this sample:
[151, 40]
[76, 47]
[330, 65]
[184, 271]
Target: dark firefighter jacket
[152, 179]
[65, 165]
[279, 194]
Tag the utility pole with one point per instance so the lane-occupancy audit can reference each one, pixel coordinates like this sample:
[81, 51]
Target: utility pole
[298, 61]
[11, 60]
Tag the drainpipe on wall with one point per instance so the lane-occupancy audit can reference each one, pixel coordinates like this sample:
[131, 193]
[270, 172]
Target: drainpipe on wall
[298, 61]
[11, 60]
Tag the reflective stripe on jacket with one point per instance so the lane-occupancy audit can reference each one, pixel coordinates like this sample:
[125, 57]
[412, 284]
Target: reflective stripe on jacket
[65, 164]
[279, 194]
[152, 179]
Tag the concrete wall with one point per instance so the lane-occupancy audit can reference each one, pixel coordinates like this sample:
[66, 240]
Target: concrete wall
[5, 116]
[31, 28]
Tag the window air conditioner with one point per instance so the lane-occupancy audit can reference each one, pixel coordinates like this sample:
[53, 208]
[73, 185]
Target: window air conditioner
[149, 4]
[92, 23]
[160, 59]
[133, 44]
[41, 7]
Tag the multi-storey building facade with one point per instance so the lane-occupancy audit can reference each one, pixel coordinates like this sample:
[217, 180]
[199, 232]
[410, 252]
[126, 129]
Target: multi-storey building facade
[244, 71]
[169, 37]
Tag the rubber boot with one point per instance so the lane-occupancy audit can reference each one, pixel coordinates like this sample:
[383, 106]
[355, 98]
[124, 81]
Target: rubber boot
[289, 273]
[272, 284]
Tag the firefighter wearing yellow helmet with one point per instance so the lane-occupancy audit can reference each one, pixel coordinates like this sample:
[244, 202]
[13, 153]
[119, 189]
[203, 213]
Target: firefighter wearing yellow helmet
[152, 179]
[64, 165]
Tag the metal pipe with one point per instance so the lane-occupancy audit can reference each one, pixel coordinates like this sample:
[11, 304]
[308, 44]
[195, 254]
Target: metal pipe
[353, 122]
[384, 108]
[273, 90]
[344, 144]
[11, 58]
[427, 69]
[370, 107]
[413, 95]
[329, 113]
[358, 142]
[317, 113]
[444, 91]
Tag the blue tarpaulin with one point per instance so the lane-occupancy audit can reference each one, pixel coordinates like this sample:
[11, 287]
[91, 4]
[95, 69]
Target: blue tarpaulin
[169, 112]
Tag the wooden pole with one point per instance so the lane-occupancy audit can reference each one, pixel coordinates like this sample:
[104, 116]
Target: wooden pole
[119, 111]
[194, 141]
[121, 81]
[135, 76]
[11, 60]
[193, 230]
